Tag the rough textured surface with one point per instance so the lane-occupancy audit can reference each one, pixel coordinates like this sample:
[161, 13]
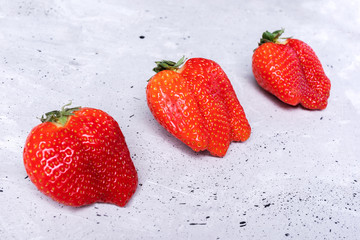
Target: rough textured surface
[296, 177]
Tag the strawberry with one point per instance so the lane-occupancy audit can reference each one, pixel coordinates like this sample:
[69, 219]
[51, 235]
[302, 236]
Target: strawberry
[197, 104]
[78, 156]
[291, 71]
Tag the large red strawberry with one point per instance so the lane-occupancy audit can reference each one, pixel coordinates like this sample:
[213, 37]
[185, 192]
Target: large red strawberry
[197, 104]
[78, 156]
[291, 71]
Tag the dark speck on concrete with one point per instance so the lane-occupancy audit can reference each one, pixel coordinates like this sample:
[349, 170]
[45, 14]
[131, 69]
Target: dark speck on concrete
[141, 37]
[242, 224]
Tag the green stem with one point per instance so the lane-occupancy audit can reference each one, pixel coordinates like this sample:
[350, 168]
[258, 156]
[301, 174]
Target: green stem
[59, 117]
[168, 65]
[271, 37]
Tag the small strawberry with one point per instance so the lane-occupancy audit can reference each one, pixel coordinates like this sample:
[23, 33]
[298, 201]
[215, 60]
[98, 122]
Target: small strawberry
[197, 104]
[78, 156]
[291, 71]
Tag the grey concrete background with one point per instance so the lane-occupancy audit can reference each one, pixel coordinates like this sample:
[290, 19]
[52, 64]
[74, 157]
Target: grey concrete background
[298, 175]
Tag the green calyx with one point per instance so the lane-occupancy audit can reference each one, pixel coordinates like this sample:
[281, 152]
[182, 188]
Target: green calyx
[59, 117]
[271, 37]
[168, 65]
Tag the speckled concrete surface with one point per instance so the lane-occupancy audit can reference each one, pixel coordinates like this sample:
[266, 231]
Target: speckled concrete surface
[297, 177]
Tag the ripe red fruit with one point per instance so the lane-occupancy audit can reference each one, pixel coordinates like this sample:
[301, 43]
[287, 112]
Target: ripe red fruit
[79, 156]
[197, 104]
[291, 71]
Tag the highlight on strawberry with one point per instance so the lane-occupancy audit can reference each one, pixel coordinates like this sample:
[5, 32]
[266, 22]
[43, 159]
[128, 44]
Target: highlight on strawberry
[78, 156]
[195, 102]
[290, 70]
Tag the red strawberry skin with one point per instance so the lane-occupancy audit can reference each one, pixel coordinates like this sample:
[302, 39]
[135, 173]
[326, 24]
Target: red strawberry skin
[211, 105]
[220, 86]
[175, 108]
[292, 72]
[316, 88]
[214, 108]
[82, 162]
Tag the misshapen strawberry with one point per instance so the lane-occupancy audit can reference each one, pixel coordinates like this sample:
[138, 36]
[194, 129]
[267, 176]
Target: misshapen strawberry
[291, 71]
[79, 156]
[197, 104]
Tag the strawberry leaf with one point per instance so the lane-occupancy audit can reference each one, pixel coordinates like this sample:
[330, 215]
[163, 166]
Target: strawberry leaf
[59, 117]
[168, 65]
[271, 36]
